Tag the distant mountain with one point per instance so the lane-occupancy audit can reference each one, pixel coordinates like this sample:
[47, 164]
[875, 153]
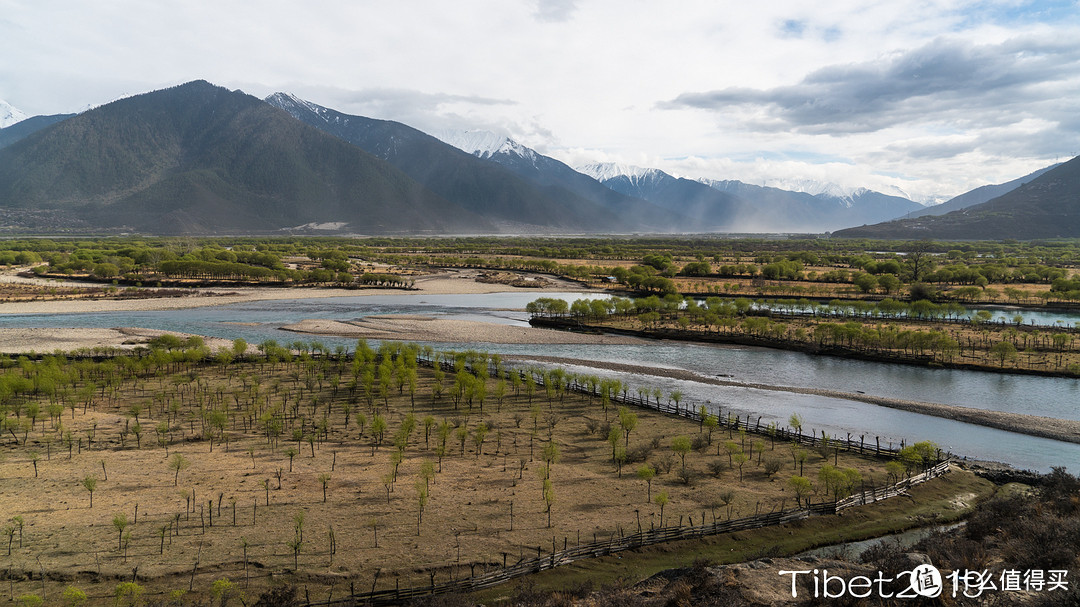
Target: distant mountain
[741, 207]
[558, 178]
[10, 115]
[1045, 207]
[978, 195]
[710, 209]
[24, 128]
[199, 159]
[503, 197]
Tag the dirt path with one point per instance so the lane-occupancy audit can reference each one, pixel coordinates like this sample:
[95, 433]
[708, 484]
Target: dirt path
[1034, 425]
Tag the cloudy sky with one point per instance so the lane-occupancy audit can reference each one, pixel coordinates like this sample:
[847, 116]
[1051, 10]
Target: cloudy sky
[931, 96]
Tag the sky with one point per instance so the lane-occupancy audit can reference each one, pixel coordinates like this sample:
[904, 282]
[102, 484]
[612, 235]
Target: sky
[928, 97]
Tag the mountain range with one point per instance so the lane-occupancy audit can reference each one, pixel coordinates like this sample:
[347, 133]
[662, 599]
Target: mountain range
[734, 206]
[1047, 206]
[513, 197]
[199, 159]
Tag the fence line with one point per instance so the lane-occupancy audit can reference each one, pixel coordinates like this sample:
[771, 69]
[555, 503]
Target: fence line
[630, 542]
[689, 411]
[649, 537]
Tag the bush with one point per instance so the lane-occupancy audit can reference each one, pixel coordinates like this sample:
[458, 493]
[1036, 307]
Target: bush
[639, 453]
[685, 475]
[716, 468]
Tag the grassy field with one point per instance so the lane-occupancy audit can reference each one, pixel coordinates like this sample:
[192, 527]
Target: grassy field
[345, 473]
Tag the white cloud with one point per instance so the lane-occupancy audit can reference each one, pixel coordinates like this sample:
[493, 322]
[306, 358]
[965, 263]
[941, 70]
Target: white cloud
[881, 92]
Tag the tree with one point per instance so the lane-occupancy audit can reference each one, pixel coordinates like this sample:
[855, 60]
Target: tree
[128, 593]
[549, 499]
[120, 522]
[676, 396]
[1003, 351]
[324, 479]
[421, 502]
[740, 459]
[628, 420]
[178, 463]
[73, 597]
[292, 453]
[681, 445]
[801, 486]
[795, 421]
[646, 473]
[662, 501]
[90, 483]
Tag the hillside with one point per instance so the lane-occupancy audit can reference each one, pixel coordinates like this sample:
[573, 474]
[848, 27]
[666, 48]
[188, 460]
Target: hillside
[199, 159]
[486, 188]
[1046, 207]
[979, 195]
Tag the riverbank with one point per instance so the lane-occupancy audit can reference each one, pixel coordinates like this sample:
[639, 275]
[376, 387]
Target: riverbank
[71, 339]
[1032, 425]
[448, 282]
[792, 341]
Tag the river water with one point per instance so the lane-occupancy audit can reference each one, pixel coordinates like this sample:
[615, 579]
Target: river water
[1052, 397]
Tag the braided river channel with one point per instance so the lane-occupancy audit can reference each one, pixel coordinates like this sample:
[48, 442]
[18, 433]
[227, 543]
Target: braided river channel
[1051, 397]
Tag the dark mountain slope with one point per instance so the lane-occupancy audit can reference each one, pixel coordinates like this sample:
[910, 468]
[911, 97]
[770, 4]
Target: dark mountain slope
[1046, 207]
[979, 195]
[487, 188]
[201, 159]
[25, 128]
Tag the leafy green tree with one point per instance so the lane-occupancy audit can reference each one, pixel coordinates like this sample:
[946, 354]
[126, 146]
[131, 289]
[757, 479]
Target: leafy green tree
[120, 522]
[662, 500]
[1003, 351]
[90, 483]
[73, 597]
[681, 445]
[646, 473]
[801, 486]
[324, 480]
[176, 464]
[629, 421]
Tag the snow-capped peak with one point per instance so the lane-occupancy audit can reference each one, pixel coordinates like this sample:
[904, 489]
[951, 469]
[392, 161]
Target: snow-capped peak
[603, 171]
[483, 144]
[286, 101]
[10, 115]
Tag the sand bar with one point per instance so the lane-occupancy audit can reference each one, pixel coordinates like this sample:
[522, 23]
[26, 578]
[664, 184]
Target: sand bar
[68, 339]
[411, 327]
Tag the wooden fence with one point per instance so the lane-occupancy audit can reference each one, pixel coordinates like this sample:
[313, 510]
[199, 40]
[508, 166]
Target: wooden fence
[642, 538]
[652, 536]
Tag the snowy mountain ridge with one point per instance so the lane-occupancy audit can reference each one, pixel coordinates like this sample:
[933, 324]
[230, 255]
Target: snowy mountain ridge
[483, 144]
[9, 115]
[603, 171]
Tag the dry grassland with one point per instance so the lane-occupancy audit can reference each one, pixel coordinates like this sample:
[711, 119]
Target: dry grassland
[176, 543]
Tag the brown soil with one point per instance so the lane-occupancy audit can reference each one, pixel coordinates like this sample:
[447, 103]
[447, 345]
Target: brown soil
[465, 527]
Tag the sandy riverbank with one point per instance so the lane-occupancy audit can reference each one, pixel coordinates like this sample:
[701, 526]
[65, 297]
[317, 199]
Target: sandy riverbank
[450, 282]
[69, 339]
[1033, 425]
[408, 327]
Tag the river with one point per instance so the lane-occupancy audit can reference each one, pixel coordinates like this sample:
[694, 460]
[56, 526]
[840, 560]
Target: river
[1052, 397]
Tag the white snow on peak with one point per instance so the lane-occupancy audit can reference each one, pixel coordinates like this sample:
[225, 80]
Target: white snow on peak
[815, 187]
[287, 100]
[10, 115]
[603, 171]
[483, 144]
